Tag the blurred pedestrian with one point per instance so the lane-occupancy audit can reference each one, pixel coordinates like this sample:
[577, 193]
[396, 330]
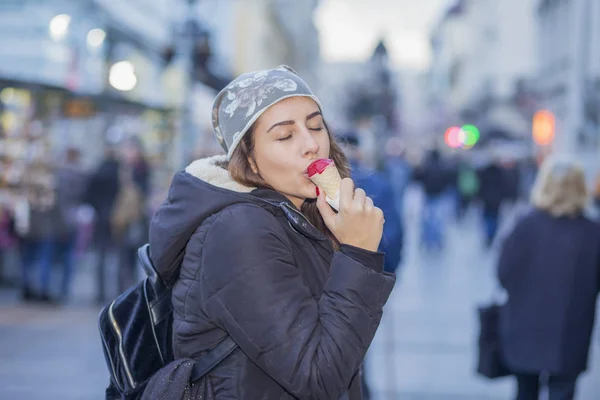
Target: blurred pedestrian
[134, 158]
[8, 239]
[529, 173]
[512, 181]
[435, 178]
[550, 268]
[101, 194]
[399, 171]
[267, 262]
[70, 192]
[492, 192]
[37, 238]
[596, 193]
[129, 219]
[467, 187]
[378, 186]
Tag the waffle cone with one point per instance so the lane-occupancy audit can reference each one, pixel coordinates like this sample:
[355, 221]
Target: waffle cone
[329, 181]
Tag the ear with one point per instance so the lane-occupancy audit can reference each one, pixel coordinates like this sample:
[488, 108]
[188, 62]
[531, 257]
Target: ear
[252, 165]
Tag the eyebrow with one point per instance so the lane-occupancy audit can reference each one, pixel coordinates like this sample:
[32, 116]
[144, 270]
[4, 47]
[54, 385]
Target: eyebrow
[311, 116]
[282, 123]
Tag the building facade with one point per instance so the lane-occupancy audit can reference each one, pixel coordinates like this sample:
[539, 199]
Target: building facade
[254, 35]
[484, 58]
[266, 36]
[569, 73]
[83, 73]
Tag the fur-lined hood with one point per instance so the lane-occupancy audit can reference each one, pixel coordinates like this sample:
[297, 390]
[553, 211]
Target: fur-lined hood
[208, 170]
[204, 188]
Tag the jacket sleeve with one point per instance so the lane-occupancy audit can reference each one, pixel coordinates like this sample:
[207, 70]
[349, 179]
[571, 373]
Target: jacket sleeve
[253, 289]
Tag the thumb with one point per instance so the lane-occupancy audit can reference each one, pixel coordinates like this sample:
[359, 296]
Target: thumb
[326, 211]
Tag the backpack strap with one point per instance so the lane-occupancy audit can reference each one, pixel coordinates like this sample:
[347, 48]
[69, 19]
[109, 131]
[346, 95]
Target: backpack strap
[157, 281]
[213, 358]
[144, 257]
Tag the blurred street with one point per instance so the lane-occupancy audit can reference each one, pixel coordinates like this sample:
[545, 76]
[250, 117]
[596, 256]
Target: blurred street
[424, 350]
[453, 116]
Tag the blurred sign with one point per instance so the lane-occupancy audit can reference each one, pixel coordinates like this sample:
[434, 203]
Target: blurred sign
[79, 108]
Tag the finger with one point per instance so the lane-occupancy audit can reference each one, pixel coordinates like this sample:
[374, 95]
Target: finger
[346, 192]
[360, 197]
[379, 214]
[325, 209]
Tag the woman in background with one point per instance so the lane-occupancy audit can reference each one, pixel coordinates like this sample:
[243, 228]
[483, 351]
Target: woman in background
[550, 268]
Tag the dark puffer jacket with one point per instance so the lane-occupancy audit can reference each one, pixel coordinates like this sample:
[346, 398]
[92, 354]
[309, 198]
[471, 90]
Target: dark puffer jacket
[550, 268]
[302, 314]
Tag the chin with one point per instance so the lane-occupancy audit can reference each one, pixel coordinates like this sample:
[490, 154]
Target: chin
[310, 192]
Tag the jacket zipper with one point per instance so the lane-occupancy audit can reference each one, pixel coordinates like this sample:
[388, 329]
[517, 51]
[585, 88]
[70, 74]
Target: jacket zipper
[121, 351]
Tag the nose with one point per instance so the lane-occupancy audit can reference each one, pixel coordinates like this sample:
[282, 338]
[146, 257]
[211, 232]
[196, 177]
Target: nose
[311, 146]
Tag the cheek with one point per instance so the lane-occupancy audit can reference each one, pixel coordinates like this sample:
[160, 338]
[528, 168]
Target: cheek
[275, 166]
[324, 146]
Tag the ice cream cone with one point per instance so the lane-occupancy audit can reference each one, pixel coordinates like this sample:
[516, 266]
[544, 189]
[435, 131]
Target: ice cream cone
[329, 181]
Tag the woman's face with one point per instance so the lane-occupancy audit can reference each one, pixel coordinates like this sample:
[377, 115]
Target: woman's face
[289, 136]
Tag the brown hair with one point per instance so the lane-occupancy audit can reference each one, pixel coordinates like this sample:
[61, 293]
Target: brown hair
[241, 172]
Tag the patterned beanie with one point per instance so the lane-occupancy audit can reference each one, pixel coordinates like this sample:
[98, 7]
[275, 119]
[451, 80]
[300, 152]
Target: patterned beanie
[240, 104]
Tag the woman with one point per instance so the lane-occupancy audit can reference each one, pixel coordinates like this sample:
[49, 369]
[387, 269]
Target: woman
[299, 288]
[550, 268]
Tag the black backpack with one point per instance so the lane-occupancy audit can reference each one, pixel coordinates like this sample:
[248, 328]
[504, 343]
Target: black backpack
[136, 330]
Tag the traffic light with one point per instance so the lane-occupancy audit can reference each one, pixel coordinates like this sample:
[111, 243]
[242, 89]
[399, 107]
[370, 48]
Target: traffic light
[462, 137]
[471, 136]
[543, 127]
[451, 137]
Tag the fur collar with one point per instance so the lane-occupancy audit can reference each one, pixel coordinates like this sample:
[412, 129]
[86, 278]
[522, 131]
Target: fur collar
[207, 170]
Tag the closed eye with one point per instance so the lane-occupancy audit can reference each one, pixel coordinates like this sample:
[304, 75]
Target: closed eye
[285, 138]
[316, 129]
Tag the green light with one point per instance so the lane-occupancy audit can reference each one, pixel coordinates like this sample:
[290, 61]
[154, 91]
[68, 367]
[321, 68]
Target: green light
[472, 135]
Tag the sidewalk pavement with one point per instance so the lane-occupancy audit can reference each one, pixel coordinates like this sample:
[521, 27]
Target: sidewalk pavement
[52, 352]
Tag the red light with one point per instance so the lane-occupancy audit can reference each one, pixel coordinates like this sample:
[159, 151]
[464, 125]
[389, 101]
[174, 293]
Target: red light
[452, 137]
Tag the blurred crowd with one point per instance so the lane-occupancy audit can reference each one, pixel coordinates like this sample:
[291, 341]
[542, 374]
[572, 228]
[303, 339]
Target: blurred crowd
[492, 187]
[59, 209]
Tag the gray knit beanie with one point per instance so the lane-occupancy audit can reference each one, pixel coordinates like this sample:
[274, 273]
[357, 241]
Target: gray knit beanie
[240, 104]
